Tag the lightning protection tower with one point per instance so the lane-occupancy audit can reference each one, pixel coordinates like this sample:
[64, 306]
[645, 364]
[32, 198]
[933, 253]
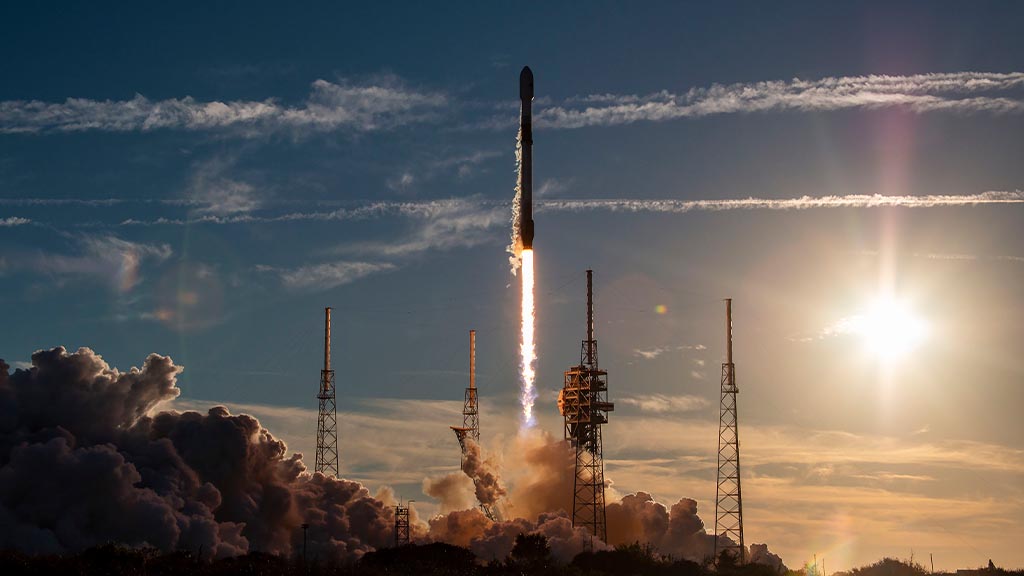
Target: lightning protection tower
[327, 420]
[729, 501]
[584, 404]
[470, 412]
[471, 420]
[402, 524]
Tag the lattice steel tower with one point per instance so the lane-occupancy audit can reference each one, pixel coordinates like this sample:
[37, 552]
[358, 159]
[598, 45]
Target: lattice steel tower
[327, 420]
[584, 404]
[402, 524]
[729, 501]
[471, 419]
[470, 411]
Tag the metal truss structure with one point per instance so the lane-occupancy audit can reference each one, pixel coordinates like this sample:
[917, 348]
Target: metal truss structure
[327, 417]
[401, 524]
[584, 404]
[729, 499]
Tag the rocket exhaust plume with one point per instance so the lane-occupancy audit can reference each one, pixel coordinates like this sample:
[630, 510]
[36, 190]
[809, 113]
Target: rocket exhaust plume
[527, 350]
[522, 244]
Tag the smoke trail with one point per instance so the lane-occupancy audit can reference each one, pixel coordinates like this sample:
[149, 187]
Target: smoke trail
[515, 247]
[527, 351]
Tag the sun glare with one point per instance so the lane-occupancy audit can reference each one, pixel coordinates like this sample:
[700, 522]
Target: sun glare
[890, 328]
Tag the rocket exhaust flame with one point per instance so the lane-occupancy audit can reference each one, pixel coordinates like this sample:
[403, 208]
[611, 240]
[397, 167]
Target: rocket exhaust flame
[527, 349]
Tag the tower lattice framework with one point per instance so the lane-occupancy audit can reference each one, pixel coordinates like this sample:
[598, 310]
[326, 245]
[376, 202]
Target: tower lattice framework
[401, 524]
[471, 419]
[729, 499]
[584, 404]
[327, 418]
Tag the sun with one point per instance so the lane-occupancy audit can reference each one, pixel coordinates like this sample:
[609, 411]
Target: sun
[890, 328]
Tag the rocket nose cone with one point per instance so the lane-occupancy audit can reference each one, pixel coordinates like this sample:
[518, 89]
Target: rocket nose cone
[526, 84]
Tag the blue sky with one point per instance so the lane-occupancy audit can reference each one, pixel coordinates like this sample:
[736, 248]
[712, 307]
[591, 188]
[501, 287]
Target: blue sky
[201, 181]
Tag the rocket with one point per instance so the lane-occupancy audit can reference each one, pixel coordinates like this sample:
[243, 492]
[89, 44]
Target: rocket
[526, 161]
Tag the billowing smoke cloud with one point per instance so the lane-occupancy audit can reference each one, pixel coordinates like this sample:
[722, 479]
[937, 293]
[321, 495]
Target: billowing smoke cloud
[454, 491]
[759, 554]
[539, 471]
[485, 476]
[83, 462]
[494, 540]
[678, 531]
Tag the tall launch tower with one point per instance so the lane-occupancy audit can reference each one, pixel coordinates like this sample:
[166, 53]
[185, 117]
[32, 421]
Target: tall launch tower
[470, 412]
[729, 501]
[471, 419]
[327, 420]
[584, 404]
[402, 524]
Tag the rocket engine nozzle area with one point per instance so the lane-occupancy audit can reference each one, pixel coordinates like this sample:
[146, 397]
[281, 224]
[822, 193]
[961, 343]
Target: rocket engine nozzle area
[526, 234]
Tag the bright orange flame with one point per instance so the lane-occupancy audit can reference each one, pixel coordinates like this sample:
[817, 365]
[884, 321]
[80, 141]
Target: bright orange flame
[527, 350]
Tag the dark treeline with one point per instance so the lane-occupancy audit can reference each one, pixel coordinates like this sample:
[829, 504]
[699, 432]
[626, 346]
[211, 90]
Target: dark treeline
[530, 556]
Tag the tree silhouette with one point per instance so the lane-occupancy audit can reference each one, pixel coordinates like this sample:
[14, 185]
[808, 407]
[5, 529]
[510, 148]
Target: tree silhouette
[532, 551]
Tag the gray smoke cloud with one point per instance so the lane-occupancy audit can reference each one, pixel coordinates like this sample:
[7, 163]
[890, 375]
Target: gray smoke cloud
[83, 461]
[86, 459]
[540, 472]
[485, 476]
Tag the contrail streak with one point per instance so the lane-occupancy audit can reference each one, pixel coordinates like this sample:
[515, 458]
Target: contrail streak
[801, 203]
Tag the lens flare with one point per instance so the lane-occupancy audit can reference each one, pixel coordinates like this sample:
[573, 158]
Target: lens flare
[527, 351]
[891, 330]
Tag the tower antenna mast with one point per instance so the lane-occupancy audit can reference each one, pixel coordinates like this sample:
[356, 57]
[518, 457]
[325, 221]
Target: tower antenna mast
[327, 418]
[729, 499]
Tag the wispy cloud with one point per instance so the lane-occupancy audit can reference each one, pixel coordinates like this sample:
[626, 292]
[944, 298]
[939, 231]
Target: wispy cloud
[386, 103]
[12, 221]
[327, 275]
[972, 92]
[650, 353]
[474, 213]
[660, 403]
[962, 257]
[106, 258]
[803, 202]
[464, 164]
[550, 186]
[439, 225]
[401, 182]
[418, 171]
[422, 209]
[216, 193]
[92, 202]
